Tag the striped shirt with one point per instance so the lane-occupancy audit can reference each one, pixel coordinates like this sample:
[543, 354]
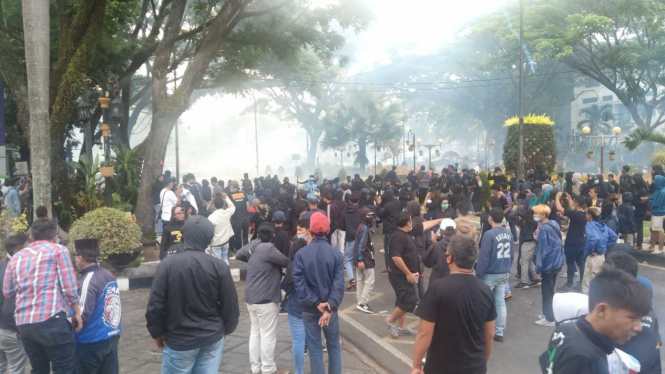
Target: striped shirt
[43, 279]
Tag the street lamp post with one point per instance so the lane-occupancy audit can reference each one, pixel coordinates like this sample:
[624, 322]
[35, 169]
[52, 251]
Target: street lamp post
[341, 155]
[412, 147]
[429, 150]
[601, 138]
[377, 147]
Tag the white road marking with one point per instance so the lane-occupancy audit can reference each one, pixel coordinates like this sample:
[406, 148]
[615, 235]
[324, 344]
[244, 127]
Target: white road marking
[385, 345]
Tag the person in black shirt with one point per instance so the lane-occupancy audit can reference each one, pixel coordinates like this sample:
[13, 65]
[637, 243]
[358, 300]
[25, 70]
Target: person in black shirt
[403, 269]
[240, 218]
[282, 238]
[171, 234]
[575, 239]
[640, 203]
[457, 317]
[300, 205]
[617, 303]
[497, 177]
[492, 202]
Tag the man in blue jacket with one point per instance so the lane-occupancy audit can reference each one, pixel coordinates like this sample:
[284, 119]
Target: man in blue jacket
[97, 342]
[318, 275]
[657, 202]
[599, 238]
[494, 262]
[549, 259]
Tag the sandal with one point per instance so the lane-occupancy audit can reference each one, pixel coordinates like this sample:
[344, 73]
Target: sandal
[351, 285]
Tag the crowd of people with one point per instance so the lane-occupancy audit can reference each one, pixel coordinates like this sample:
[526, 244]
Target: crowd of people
[306, 244]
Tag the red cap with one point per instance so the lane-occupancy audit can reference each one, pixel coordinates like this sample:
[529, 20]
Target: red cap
[318, 223]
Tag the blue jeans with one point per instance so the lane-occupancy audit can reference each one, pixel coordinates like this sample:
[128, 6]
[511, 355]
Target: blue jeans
[221, 252]
[348, 259]
[313, 332]
[297, 327]
[204, 360]
[160, 224]
[386, 249]
[497, 283]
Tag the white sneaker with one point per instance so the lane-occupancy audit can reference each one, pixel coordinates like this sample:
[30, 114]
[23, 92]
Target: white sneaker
[544, 322]
[407, 331]
[650, 250]
[657, 252]
[392, 329]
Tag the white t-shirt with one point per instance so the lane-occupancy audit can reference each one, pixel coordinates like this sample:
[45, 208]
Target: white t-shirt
[168, 200]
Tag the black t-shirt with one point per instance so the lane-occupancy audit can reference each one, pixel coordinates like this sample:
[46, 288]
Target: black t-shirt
[403, 245]
[576, 227]
[240, 201]
[459, 305]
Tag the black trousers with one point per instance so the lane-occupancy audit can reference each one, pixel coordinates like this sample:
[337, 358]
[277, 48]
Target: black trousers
[422, 193]
[240, 232]
[547, 287]
[98, 358]
[574, 256]
[639, 224]
[50, 345]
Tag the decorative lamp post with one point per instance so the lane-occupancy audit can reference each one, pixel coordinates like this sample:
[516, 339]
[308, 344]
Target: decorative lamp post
[85, 113]
[112, 110]
[341, 155]
[412, 147]
[429, 150]
[601, 140]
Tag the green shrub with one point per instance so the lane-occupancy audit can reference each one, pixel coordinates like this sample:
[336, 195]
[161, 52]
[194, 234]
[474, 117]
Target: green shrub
[116, 233]
[539, 143]
[658, 158]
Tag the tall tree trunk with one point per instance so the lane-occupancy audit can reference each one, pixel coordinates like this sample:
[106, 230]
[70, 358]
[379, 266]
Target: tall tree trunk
[37, 44]
[314, 137]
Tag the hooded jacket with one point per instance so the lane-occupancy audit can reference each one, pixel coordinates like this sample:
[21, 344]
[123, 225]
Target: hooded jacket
[388, 211]
[577, 182]
[435, 258]
[350, 221]
[100, 305]
[363, 249]
[264, 271]
[193, 300]
[549, 252]
[627, 215]
[339, 205]
[599, 238]
[657, 199]
[423, 240]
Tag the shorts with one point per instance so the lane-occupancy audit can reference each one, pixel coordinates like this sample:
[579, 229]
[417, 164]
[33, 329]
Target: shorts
[657, 223]
[405, 292]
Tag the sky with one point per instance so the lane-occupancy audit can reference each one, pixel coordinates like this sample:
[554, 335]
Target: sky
[216, 140]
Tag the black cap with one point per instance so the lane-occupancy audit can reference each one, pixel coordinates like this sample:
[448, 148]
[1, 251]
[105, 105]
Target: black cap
[87, 247]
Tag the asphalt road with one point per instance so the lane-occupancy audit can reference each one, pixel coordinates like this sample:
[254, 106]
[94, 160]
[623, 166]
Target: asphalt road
[518, 354]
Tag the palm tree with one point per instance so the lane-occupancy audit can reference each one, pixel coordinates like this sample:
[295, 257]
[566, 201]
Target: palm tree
[37, 59]
[598, 117]
[362, 117]
[640, 135]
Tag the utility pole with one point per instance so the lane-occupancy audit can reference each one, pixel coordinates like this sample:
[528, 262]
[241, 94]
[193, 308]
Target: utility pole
[256, 137]
[520, 165]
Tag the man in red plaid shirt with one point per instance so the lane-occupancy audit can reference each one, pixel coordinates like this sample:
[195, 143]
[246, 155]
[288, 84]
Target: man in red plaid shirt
[44, 282]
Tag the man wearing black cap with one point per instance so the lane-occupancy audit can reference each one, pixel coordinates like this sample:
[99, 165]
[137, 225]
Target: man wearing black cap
[313, 202]
[189, 320]
[282, 238]
[97, 342]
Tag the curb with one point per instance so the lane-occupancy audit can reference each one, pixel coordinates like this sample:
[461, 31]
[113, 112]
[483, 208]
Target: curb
[137, 283]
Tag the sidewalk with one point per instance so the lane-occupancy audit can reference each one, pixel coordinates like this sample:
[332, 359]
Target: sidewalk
[138, 354]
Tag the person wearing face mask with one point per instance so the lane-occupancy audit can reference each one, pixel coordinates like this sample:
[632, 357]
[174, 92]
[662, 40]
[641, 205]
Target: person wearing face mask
[363, 260]
[599, 238]
[171, 234]
[549, 260]
[291, 302]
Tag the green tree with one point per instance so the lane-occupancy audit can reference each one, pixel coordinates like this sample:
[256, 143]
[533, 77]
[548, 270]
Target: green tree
[36, 31]
[365, 118]
[597, 117]
[234, 35]
[619, 44]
